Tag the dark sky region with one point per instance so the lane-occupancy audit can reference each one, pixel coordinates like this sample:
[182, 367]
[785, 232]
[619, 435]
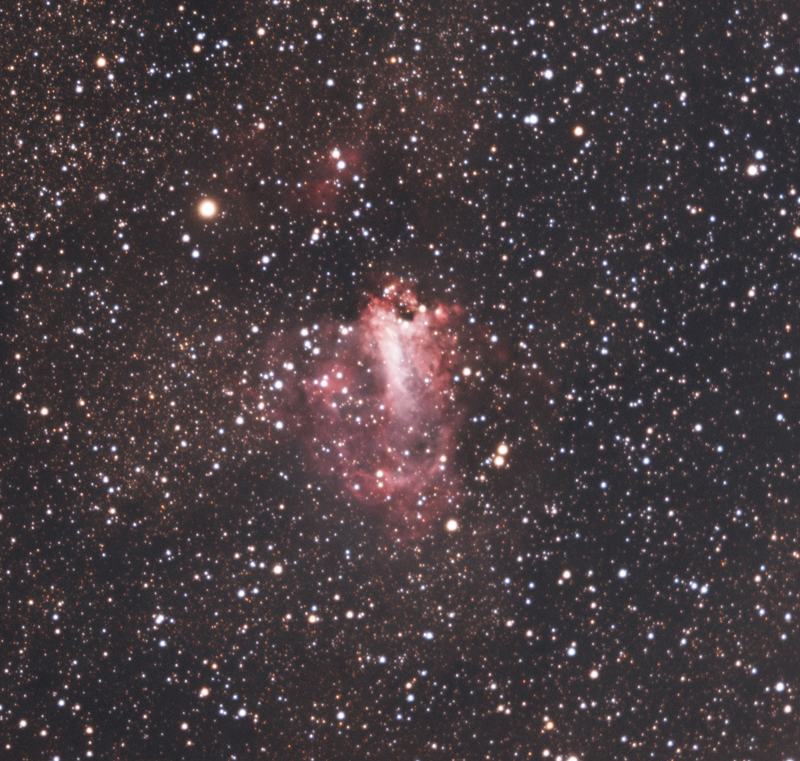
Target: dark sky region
[399, 380]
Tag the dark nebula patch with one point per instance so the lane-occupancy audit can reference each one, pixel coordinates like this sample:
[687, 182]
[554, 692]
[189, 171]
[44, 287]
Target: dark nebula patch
[378, 403]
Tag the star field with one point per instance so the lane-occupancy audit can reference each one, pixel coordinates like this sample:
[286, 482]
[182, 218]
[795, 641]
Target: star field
[399, 380]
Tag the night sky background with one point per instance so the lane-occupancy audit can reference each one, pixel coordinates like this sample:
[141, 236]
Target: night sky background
[606, 194]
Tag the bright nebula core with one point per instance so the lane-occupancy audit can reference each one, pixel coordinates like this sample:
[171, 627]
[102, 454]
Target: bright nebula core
[377, 404]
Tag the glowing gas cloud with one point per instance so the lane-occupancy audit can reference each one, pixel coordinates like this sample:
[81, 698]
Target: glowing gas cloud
[378, 404]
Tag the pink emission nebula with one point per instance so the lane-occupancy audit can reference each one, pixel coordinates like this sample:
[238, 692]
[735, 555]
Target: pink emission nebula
[377, 405]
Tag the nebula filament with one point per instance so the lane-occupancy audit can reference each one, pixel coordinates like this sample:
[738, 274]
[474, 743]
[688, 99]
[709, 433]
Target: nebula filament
[376, 404]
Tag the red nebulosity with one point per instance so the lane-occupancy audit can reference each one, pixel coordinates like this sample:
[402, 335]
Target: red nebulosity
[321, 189]
[375, 403]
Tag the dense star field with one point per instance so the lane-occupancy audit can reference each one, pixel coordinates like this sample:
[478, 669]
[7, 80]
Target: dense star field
[399, 380]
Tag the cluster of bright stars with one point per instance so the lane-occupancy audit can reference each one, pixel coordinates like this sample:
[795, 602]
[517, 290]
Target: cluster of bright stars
[500, 455]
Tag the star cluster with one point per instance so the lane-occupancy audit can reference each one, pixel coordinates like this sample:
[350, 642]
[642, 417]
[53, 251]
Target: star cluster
[399, 380]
